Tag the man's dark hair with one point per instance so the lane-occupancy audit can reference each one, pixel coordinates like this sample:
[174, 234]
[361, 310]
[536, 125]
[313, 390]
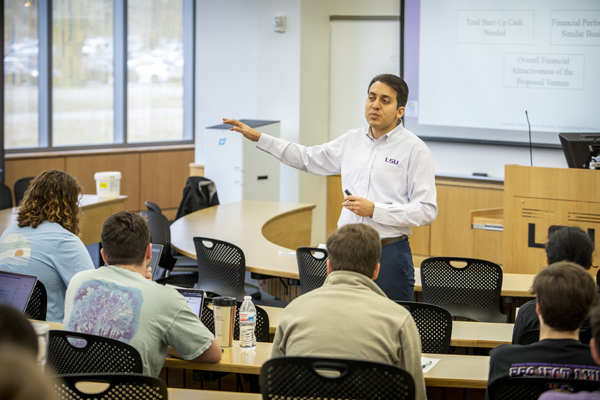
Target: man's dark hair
[396, 83]
[565, 293]
[125, 237]
[570, 243]
[16, 330]
[354, 247]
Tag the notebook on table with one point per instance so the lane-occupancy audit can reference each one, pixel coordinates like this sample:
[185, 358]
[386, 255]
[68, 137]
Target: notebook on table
[16, 289]
[195, 298]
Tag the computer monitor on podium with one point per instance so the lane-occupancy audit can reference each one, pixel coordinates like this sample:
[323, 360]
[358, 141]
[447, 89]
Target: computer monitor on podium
[582, 150]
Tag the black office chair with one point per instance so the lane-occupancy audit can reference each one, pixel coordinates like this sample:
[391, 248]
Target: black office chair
[262, 321]
[120, 386]
[38, 303]
[434, 324]
[82, 353]
[472, 291]
[221, 267]
[313, 378]
[198, 193]
[20, 187]
[530, 336]
[152, 207]
[531, 387]
[6, 200]
[312, 267]
[181, 270]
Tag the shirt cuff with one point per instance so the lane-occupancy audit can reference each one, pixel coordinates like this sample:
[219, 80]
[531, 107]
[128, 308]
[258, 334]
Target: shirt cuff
[264, 141]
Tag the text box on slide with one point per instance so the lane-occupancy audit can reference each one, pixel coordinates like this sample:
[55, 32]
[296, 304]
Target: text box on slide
[495, 26]
[544, 71]
[578, 28]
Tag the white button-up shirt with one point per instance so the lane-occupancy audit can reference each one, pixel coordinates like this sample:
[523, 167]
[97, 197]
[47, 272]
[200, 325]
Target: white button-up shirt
[395, 172]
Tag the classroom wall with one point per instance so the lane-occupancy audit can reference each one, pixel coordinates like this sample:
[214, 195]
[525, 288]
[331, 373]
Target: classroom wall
[246, 70]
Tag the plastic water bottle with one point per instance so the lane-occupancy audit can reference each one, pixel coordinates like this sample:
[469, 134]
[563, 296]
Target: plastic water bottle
[247, 324]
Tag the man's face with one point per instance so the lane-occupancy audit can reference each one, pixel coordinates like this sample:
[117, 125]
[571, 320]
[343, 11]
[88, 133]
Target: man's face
[381, 110]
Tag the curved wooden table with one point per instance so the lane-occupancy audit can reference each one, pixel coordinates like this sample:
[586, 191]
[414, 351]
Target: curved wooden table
[94, 212]
[264, 230]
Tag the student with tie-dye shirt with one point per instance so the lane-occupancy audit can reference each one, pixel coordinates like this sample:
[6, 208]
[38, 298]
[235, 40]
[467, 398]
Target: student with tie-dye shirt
[120, 302]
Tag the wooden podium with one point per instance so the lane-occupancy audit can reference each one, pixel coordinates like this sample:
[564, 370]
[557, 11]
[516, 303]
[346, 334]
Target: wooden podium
[536, 198]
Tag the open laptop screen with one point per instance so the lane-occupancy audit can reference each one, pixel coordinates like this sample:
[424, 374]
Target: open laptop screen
[195, 298]
[156, 253]
[16, 289]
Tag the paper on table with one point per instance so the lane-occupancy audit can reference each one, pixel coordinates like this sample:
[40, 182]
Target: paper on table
[428, 363]
[287, 253]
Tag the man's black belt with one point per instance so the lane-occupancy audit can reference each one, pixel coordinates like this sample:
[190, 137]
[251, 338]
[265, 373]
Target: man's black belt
[386, 241]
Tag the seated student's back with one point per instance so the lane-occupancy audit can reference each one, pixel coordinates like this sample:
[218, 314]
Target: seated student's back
[120, 301]
[565, 295]
[350, 316]
[44, 240]
[568, 243]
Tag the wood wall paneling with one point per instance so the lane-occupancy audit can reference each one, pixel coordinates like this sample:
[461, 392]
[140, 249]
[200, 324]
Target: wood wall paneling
[20, 168]
[149, 173]
[451, 232]
[83, 168]
[335, 197]
[163, 176]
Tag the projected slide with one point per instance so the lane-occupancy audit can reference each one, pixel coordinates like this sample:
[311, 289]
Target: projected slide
[482, 64]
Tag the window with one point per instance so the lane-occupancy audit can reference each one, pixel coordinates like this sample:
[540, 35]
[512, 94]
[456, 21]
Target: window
[97, 73]
[20, 74]
[82, 72]
[155, 70]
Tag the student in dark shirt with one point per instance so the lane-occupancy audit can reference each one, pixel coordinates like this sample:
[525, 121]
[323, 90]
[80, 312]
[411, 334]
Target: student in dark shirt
[568, 243]
[595, 350]
[565, 296]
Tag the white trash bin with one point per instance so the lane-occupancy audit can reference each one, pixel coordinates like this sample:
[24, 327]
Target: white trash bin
[108, 184]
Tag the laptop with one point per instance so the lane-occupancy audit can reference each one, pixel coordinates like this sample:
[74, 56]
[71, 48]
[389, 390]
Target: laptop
[156, 253]
[16, 289]
[195, 298]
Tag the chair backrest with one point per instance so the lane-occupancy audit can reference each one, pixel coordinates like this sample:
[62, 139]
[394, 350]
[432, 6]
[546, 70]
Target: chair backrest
[82, 353]
[38, 302]
[160, 233]
[262, 321]
[529, 337]
[221, 267]
[6, 200]
[152, 207]
[198, 193]
[20, 187]
[312, 267]
[434, 324]
[304, 378]
[120, 386]
[472, 291]
[531, 387]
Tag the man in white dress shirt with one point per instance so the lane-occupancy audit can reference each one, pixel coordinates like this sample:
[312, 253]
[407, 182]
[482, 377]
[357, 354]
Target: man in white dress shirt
[386, 170]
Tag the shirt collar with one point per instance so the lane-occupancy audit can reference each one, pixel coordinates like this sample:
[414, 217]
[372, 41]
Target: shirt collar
[394, 132]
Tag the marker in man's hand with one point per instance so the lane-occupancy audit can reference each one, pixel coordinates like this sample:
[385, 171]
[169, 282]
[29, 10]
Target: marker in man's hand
[347, 192]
